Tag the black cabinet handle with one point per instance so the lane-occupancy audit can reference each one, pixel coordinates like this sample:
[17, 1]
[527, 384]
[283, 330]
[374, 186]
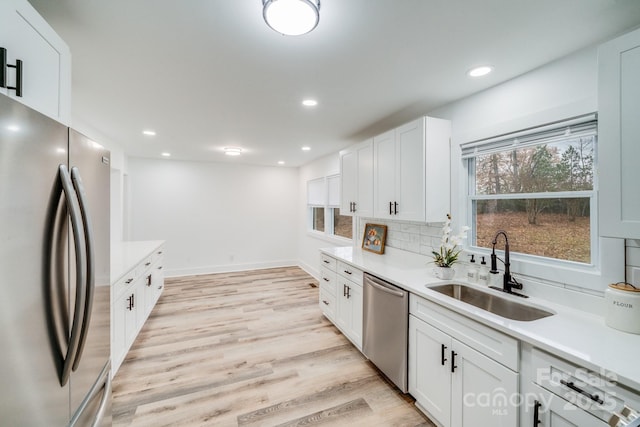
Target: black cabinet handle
[133, 301]
[348, 272]
[443, 358]
[577, 389]
[325, 279]
[453, 361]
[395, 208]
[390, 208]
[348, 292]
[3, 72]
[149, 280]
[354, 206]
[325, 302]
[325, 261]
[344, 290]
[536, 413]
[128, 280]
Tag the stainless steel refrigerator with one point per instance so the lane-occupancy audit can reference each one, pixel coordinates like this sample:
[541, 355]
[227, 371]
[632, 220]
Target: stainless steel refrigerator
[54, 273]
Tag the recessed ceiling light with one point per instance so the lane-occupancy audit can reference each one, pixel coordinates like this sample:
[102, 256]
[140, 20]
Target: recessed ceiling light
[149, 132]
[309, 102]
[165, 154]
[281, 162]
[232, 151]
[306, 148]
[479, 71]
[13, 128]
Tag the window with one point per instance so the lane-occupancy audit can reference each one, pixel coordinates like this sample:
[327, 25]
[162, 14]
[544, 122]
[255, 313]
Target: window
[323, 201]
[538, 186]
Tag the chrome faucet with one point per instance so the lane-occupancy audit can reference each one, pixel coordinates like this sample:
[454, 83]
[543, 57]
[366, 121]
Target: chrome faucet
[508, 282]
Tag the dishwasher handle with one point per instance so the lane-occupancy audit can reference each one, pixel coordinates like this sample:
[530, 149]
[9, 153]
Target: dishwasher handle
[376, 283]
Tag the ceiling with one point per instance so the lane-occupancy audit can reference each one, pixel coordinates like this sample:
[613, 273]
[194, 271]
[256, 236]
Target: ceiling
[205, 74]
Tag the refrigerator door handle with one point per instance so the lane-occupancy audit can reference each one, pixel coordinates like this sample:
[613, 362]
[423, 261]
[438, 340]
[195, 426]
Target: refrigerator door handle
[103, 382]
[80, 253]
[90, 262]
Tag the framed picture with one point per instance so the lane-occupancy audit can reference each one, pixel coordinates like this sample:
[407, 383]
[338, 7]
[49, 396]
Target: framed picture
[374, 237]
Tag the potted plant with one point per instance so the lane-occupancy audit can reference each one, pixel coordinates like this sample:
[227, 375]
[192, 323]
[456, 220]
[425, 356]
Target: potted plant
[449, 251]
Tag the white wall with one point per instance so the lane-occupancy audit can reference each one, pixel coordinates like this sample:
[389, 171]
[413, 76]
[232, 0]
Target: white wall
[215, 217]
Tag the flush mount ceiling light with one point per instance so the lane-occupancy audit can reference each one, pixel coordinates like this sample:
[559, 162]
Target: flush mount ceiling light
[305, 148]
[165, 154]
[149, 132]
[232, 151]
[479, 71]
[291, 17]
[309, 102]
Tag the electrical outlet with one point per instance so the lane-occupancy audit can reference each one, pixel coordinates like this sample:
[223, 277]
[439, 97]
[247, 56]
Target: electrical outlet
[635, 277]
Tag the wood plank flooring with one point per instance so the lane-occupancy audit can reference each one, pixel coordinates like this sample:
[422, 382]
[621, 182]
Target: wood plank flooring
[250, 349]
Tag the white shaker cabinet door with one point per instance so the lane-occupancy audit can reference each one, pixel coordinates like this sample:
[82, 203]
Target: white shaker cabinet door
[482, 390]
[46, 60]
[619, 136]
[430, 370]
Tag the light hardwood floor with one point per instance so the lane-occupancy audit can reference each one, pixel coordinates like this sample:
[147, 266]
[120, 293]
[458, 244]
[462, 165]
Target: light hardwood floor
[250, 349]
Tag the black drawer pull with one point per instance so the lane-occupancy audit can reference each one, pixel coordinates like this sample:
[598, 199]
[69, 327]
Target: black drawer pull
[325, 302]
[325, 279]
[453, 361]
[347, 271]
[325, 261]
[577, 389]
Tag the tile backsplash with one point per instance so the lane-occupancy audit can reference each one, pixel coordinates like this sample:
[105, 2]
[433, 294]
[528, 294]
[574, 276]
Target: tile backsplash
[416, 237]
[632, 259]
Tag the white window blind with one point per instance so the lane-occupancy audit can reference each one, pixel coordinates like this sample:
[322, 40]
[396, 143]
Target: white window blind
[577, 127]
[316, 192]
[333, 184]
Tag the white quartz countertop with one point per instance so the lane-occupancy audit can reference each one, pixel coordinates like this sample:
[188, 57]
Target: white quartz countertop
[580, 337]
[125, 256]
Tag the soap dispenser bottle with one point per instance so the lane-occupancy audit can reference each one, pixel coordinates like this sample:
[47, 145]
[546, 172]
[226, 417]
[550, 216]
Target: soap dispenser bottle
[472, 271]
[483, 273]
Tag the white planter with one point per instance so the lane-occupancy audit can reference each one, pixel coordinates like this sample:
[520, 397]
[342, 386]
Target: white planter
[444, 273]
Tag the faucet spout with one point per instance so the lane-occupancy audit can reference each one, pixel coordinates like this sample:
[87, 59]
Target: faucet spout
[508, 283]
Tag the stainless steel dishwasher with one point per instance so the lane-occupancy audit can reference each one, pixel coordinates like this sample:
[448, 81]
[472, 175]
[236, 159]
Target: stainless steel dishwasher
[386, 328]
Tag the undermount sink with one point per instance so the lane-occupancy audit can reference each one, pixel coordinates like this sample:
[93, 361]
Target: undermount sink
[492, 303]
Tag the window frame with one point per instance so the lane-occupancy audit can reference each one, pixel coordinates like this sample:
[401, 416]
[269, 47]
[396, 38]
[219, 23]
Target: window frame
[329, 225]
[606, 253]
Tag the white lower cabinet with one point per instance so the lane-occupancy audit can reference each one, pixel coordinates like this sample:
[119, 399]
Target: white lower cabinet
[340, 297]
[454, 384]
[133, 298]
[349, 310]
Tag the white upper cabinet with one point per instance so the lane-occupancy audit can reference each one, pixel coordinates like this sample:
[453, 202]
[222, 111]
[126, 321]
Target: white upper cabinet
[46, 60]
[411, 171]
[619, 136]
[356, 171]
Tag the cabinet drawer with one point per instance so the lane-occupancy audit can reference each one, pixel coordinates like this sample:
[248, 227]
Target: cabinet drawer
[494, 344]
[328, 304]
[593, 392]
[328, 262]
[124, 283]
[328, 281]
[350, 272]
